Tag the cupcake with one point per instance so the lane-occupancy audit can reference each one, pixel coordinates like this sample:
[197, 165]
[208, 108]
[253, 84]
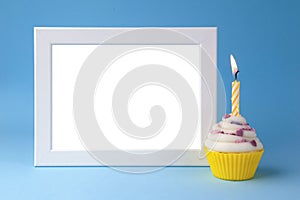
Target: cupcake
[233, 149]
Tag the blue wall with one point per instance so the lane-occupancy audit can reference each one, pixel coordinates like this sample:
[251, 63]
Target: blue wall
[263, 35]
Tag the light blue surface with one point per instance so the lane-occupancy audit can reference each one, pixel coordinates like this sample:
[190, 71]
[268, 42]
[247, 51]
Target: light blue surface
[263, 35]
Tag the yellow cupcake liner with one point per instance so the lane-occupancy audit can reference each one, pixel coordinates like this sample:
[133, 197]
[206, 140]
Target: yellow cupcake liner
[233, 166]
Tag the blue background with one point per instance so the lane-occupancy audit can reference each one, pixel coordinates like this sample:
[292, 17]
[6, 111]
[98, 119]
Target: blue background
[263, 35]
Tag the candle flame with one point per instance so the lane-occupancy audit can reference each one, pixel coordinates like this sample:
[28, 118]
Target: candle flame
[234, 67]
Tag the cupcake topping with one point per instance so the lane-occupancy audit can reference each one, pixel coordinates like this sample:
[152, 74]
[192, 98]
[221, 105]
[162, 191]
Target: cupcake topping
[233, 134]
[239, 132]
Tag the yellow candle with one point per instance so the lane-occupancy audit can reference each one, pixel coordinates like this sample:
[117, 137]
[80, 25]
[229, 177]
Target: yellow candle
[235, 98]
[235, 94]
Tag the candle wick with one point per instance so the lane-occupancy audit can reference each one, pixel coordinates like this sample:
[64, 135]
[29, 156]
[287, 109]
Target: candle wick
[235, 75]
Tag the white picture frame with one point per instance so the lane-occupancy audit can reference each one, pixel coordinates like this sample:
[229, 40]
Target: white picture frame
[46, 37]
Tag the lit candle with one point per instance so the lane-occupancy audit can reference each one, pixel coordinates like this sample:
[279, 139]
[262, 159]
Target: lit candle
[235, 95]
